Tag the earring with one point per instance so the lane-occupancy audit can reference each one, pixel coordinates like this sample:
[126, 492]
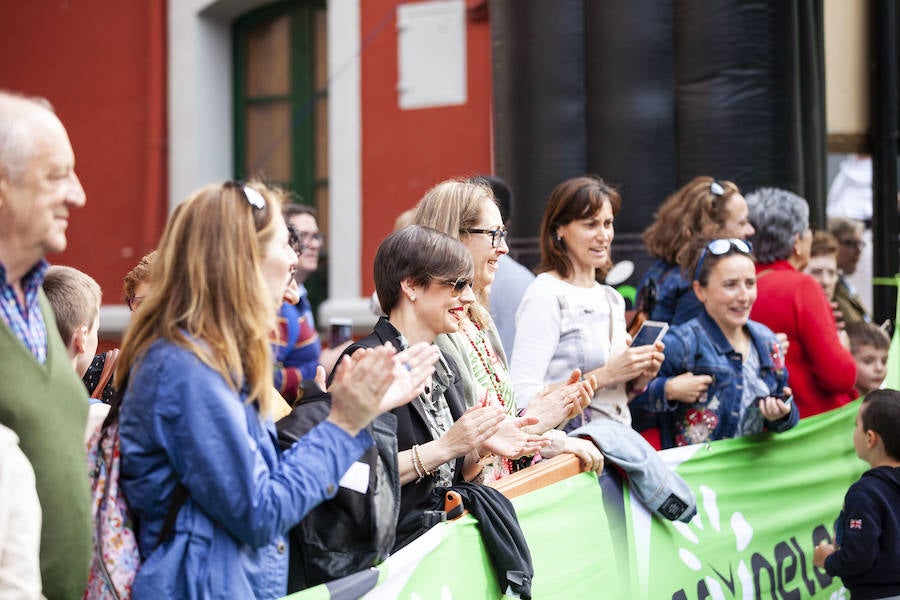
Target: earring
[412, 297]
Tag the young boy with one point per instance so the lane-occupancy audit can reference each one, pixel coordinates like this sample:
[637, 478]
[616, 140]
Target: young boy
[869, 345]
[75, 298]
[867, 558]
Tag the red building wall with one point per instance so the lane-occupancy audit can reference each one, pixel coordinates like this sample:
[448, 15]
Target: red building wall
[102, 65]
[405, 152]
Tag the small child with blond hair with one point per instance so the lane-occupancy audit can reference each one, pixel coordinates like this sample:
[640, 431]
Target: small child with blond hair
[75, 298]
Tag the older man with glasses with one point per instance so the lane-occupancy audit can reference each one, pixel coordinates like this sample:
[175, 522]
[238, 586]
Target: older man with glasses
[848, 233]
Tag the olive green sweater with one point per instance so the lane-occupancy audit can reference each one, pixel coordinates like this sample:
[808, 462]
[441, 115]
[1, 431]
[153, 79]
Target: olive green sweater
[46, 405]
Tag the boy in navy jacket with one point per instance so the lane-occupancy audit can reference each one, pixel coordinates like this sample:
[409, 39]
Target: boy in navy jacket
[867, 557]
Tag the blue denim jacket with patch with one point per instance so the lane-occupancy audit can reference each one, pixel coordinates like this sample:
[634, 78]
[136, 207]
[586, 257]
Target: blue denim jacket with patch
[700, 347]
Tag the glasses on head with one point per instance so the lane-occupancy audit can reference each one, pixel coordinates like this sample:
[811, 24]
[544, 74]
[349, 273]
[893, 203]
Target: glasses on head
[851, 243]
[252, 196]
[497, 235]
[716, 188]
[720, 247]
[458, 285]
[133, 302]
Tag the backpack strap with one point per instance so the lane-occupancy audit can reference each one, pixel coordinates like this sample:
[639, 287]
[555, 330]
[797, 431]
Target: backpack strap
[109, 367]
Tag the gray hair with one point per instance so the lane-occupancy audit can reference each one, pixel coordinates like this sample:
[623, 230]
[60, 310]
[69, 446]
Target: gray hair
[16, 133]
[778, 216]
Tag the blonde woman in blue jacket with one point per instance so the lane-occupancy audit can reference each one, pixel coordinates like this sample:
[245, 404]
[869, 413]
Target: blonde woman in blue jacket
[195, 415]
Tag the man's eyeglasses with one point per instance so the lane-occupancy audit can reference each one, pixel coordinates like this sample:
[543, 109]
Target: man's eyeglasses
[458, 285]
[720, 247]
[307, 237]
[497, 235]
[849, 243]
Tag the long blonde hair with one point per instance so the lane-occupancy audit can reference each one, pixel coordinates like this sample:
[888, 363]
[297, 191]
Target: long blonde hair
[451, 207]
[208, 293]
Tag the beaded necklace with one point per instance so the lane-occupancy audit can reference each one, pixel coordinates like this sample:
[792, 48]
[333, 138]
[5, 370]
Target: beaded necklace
[485, 358]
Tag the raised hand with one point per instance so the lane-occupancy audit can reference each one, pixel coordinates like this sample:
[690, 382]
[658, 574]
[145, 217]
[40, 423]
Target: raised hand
[512, 441]
[470, 431]
[412, 369]
[359, 385]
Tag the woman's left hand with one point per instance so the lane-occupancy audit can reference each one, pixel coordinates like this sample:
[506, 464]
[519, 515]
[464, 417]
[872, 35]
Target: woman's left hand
[512, 441]
[553, 405]
[773, 408]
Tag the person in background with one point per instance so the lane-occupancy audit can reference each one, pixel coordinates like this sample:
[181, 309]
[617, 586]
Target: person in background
[567, 320]
[75, 298]
[195, 419]
[298, 346]
[822, 369]
[866, 551]
[869, 345]
[511, 278]
[41, 399]
[850, 246]
[136, 286]
[822, 267]
[20, 522]
[743, 388]
[704, 207]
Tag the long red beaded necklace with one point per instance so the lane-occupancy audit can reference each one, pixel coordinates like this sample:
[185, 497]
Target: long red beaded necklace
[485, 359]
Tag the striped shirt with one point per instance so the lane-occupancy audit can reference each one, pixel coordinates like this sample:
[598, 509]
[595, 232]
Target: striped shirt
[26, 322]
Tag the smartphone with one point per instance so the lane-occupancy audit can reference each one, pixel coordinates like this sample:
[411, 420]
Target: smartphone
[341, 331]
[650, 333]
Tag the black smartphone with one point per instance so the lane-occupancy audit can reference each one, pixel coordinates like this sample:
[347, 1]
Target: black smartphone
[650, 333]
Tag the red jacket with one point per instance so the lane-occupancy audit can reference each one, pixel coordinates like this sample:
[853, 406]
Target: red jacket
[821, 372]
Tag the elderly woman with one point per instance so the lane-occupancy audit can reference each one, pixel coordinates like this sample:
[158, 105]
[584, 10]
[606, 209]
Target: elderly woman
[704, 207]
[467, 210]
[196, 435]
[424, 283]
[744, 388]
[567, 320]
[822, 369]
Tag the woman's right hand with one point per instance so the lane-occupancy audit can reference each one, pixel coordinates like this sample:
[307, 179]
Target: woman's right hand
[687, 387]
[554, 404]
[628, 365]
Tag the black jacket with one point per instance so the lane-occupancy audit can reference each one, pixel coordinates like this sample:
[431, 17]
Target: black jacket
[412, 428]
[868, 532]
[340, 536]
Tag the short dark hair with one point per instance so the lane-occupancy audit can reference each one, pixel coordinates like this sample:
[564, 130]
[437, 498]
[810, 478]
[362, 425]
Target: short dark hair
[882, 415]
[293, 209]
[866, 334]
[573, 199]
[695, 252]
[421, 254]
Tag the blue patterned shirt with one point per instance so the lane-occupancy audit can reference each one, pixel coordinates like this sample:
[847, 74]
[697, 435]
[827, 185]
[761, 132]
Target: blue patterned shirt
[26, 322]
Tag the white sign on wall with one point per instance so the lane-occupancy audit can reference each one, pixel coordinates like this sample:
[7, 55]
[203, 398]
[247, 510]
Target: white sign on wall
[431, 51]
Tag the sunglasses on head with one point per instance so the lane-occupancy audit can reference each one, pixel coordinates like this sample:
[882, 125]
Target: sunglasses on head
[720, 247]
[252, 196]
[716, 188]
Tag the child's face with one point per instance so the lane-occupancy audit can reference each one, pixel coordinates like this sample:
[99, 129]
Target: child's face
[871, 367]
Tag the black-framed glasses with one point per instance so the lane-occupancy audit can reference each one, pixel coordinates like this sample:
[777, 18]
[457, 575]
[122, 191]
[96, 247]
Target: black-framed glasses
[308, 237]
[497, 235]
[458, 285]
[851, 243]
[720, 247]
[252, 196]
[716, 188]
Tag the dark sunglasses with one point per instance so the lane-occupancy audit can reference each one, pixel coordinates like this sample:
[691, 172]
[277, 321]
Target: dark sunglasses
[458, 285]
[497, 235]
[720, 247]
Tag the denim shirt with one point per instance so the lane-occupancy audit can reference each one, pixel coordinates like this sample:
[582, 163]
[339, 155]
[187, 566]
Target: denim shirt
[699, 346]
[675, 299]
[182, 423]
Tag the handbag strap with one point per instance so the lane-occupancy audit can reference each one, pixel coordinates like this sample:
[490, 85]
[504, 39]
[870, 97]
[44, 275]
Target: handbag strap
[109, 367]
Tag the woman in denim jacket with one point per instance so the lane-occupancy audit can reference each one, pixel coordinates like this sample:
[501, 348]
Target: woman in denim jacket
[740, 386]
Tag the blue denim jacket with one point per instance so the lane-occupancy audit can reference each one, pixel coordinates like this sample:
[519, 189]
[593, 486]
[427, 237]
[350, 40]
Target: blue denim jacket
[181, 422]
[699, 346]
[675, 299]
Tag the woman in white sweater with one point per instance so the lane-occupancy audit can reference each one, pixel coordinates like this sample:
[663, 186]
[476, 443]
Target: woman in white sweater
[567, 320]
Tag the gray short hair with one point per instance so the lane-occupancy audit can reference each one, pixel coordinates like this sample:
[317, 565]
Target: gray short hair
[778, 216]
[16, 144]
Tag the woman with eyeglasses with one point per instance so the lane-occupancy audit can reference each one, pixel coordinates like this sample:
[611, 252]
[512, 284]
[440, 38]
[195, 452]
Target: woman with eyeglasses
[466, 210]
[424, 284]
[742, 360]
[196, 436]
[822, 368]
[704, 207]
[567, 320]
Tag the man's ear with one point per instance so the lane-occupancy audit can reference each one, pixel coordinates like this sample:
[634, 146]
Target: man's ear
[872, 438]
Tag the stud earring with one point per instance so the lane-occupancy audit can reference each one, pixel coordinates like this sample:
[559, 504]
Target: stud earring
[412, 297]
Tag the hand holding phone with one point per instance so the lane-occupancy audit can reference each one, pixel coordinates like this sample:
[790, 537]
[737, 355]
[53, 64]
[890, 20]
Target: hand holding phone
[650, 333]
